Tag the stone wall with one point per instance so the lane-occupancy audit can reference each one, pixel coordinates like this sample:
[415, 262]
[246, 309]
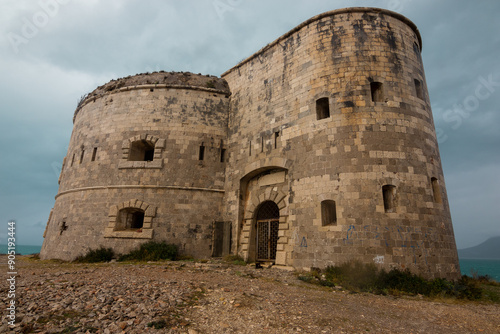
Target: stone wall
[331, 122]
[378, 131]
[179, 191]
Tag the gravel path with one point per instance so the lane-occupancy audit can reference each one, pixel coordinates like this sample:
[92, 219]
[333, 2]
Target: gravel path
[186, 297]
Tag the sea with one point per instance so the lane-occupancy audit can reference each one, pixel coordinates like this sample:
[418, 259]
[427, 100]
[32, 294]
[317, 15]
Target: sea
[469, 267]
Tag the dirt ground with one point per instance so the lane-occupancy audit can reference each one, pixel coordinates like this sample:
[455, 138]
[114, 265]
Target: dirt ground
[216, 297]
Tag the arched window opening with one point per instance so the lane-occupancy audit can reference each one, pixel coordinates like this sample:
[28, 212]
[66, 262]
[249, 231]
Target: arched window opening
[268, 210]
[141, 150]
[389, 193]
[377, 91]
[328, 213]
[436, 191]
[130, 219]
[322, 108]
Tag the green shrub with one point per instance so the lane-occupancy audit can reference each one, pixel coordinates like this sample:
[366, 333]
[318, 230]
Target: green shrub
[468, 288]
[356, 276]
[235, 259]
[96, 255]
[152, 251]
[353, 275]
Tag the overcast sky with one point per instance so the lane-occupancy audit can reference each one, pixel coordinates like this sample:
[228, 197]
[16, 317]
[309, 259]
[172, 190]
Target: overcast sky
[54, 51]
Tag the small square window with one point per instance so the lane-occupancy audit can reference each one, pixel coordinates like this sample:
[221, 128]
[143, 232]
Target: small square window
[377, 91]
[328, 213]
[322, 108]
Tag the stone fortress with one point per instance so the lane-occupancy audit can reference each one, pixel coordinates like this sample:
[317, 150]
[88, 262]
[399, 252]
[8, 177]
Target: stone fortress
[318, 149]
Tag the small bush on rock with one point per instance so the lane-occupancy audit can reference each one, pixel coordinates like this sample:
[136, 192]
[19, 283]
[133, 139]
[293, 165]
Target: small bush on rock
[152, 251]
[356, 276]
[96, 255]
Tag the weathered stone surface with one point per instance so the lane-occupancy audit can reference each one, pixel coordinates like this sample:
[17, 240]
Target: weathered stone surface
[335, 111]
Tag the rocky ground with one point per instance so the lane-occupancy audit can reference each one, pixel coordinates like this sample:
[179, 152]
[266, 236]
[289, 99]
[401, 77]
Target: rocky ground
[215, 297]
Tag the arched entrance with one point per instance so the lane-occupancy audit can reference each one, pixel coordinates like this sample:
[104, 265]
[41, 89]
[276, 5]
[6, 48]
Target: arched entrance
[267, 220]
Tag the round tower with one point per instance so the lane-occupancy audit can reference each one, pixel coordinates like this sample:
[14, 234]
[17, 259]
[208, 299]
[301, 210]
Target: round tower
[333, 151]
[145, 162]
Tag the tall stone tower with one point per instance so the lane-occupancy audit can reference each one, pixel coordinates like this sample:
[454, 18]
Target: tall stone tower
[318, 149]
[143, 163]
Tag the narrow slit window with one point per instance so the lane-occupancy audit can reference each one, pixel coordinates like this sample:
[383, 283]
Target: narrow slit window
[322, 108]
[201, 154]
[81, 156]
[389, 193]
[377, 91]
[222, 154]
[276, 135]
[250, 148]
[436, 191]
[328, 213]
[418, 89]
[262, 144]
[73, 160]
[94, 154]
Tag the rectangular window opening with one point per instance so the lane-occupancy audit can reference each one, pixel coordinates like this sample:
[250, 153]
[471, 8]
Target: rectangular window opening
[322, 108]
[328, 213]
[94, 153]
[377, 91]
[418, 89]
[250, 148]
[222, 154]
[276, 135]
[436, 191]
[201, 155]
[262, 144]
[389, 193]
[72, 160]
[81, 156]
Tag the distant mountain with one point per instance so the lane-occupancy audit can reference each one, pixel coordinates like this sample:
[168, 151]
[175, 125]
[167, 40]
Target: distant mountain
[490, 249]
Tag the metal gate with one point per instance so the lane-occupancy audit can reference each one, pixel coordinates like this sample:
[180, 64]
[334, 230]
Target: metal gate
[267, 231]
[267, 240]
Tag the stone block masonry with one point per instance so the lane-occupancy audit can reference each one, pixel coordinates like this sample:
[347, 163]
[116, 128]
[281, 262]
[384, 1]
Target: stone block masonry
[317, 150]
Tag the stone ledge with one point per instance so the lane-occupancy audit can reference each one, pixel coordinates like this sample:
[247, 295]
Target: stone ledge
[140, 164]
[144, 234]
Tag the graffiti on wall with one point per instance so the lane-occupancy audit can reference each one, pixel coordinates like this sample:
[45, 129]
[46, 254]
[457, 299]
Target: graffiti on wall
[411, 240]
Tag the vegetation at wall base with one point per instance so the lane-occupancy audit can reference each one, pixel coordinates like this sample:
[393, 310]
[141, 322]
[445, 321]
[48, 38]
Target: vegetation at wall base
[152, 251]
[96, 255]
[358, 277]
[235, 259]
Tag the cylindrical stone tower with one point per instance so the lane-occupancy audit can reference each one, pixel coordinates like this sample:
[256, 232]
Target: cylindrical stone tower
[144, 163]
[333, 151]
